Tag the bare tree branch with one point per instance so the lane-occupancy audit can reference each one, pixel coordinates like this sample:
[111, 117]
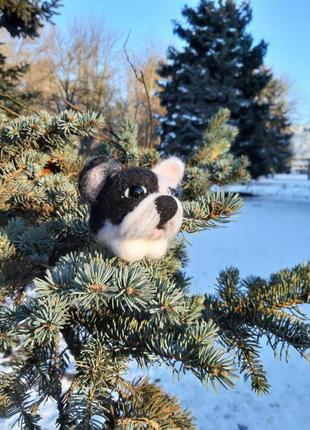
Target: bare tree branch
[19, 103]
[74, 107]
[141, 78]
[10, 111]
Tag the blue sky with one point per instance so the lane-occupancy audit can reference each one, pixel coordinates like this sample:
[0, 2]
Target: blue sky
[284, 24]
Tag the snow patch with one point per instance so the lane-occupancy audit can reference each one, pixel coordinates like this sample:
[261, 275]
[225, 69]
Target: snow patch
[281, 186]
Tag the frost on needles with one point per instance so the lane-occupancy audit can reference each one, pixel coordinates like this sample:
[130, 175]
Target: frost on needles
[66, 303]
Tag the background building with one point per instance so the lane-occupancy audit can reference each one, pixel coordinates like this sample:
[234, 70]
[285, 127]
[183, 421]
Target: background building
[301, 148]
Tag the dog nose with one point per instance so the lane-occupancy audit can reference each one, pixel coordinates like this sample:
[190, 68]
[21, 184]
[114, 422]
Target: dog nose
[166, 207]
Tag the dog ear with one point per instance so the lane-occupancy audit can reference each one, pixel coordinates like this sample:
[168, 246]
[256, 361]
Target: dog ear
[94, 175]
[172, 169]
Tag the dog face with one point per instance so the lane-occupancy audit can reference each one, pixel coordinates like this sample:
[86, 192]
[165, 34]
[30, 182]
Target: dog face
[135, 207]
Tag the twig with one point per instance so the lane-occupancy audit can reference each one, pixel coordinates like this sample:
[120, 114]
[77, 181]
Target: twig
[141, 78]
[105, 132]
[19, 103]
[74, 107]
[10, 111]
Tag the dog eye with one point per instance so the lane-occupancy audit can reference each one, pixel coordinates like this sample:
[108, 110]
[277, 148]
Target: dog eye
[135, 191]
[176, 192]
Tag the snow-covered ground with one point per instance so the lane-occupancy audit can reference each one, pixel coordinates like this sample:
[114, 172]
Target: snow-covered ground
[280, 186]
[270, 233]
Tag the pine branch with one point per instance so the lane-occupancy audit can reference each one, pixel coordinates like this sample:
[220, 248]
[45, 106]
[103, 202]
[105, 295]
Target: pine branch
[93, 312]
[145, 406]
[208, 212]
[248, 310]
[42, 131]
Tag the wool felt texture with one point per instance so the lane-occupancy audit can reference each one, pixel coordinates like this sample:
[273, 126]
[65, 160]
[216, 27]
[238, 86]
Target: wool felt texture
[132, 211]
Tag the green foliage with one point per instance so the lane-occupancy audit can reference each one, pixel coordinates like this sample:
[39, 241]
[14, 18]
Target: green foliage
[21, 18]
[256, 308]
[212, 163]
[72, 315]
[145, 406]
[218, 66]
[216, 208]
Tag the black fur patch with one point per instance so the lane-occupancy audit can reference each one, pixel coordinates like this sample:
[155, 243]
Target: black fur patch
[167, 207]
[111, 202]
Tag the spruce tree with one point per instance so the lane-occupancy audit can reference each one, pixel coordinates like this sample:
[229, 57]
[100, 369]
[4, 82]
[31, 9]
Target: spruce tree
[72, 315]
[218, 66]
[21, 18]
[279, 127]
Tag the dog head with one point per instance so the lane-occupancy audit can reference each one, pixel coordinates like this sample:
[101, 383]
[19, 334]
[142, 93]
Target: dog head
[132, 203]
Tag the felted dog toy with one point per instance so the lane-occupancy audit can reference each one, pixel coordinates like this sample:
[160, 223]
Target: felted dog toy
[133, 211]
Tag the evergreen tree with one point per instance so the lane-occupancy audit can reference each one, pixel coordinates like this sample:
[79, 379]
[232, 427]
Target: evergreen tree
[279, 127]
[67, 303]
[219, 66]
[21, 18]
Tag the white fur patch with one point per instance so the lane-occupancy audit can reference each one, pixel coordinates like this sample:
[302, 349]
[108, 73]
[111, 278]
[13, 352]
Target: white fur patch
[131, 249]
[142, 220]
[138, 236]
